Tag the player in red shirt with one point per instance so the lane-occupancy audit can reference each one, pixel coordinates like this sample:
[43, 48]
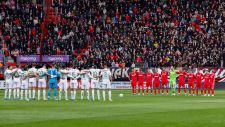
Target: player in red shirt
[148, 78]
[156, 81]
[199, 77]
[140, 82]
[133, 81]
[164, 77]
[191, 79]
[206, 83]
[181, 80]
[212, 82]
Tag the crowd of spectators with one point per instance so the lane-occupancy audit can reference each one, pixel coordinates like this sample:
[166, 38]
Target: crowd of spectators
[146, 33]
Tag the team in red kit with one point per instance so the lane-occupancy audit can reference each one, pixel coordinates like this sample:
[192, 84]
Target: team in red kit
[156, 79]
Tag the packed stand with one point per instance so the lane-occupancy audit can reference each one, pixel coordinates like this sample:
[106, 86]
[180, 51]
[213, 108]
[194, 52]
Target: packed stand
[20, 27]
[147, 33]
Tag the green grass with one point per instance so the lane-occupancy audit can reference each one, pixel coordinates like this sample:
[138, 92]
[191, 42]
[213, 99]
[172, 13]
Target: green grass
[128, 111]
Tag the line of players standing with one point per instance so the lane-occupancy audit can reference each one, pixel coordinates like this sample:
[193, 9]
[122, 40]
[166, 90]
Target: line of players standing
[22, 82]
[153, 79]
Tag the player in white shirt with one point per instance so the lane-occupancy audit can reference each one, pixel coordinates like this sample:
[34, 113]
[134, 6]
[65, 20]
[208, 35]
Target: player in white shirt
[95, 83]
[73, 75]
[9, 81]
[17, 82]
[42, 77]
[85, 84]
[63, 84]
[106, 81]
[24, 85]
[32, 72]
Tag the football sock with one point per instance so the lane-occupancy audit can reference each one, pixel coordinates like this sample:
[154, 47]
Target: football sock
[21, 94]
[33, 93]
[93, 94]
[66, 97]
[39, 94]
[54, 92]
[178, 89]
[10, 92]
[49, 93]
[44, 94]
[74, 94]
[88, 95]
[103, 93]
[110, 95]
[6, 92]
[18, 93]
[26, 94]
[60, 94]
[98, 94]
[82, 94]
[14, 93]
[29, 93]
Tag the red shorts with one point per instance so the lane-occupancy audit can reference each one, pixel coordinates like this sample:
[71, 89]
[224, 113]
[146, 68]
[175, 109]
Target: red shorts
[140, 83]
[206, 85]
[149, 84]
[133, 84]
[164, 83]
[191, 85]
[181, 84]
[156, 84]
[199, 84]
[212, 85]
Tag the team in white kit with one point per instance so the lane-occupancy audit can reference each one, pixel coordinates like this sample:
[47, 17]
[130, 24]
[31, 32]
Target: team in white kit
[22, 82]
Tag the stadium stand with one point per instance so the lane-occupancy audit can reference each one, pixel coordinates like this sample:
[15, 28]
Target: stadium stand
[146, 33]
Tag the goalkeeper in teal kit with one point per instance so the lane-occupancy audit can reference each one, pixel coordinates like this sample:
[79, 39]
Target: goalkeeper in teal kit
[52, 83]
[173, 76]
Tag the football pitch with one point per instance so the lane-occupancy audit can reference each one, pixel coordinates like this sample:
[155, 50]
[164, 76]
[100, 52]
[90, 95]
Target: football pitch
[127, 111]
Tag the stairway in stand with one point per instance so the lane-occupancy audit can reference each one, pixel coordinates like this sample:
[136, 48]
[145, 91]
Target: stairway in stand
[52, 14]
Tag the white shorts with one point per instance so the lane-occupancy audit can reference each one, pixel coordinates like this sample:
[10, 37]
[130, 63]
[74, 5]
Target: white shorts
[16, 83]
[73, 84]
[42, 83]
[106, 85]
[95, 84]
[24, 84]
[32, 82]
[63, 84]
[9, 84]
[85, 85]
